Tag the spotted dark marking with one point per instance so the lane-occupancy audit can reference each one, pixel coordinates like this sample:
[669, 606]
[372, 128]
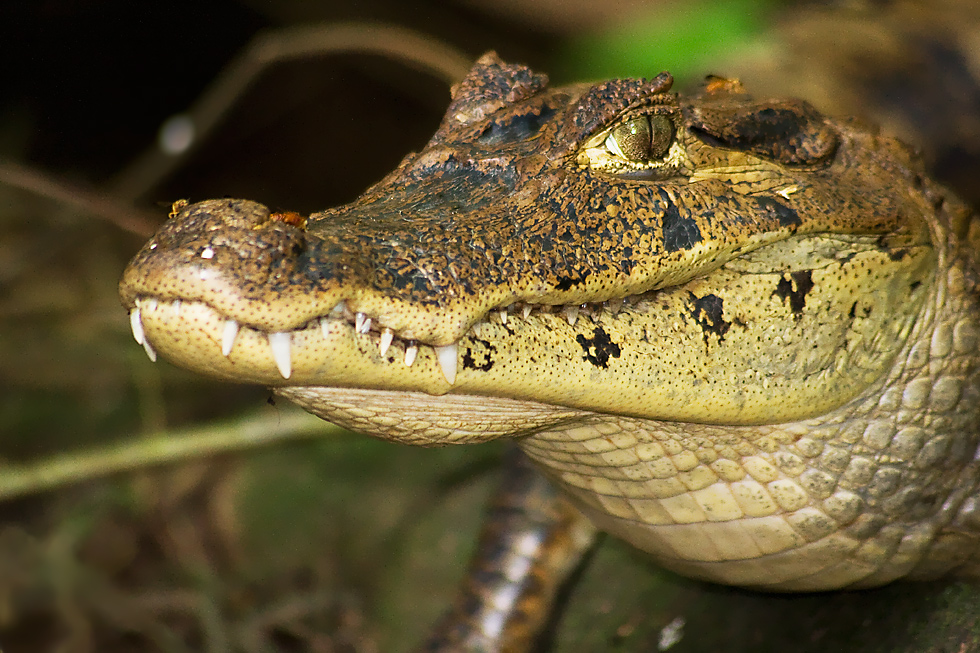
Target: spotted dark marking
[897, 254]
[599, 348]
[479, 358]
[708, 313]
[794, 287]
[680, 232]
[626, 264]
[786, 216]
[564, 283]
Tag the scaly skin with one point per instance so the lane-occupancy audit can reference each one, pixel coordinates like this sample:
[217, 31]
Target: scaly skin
[747, 344]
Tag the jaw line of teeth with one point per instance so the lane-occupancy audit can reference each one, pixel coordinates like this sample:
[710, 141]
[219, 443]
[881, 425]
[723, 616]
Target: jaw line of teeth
[280, 343]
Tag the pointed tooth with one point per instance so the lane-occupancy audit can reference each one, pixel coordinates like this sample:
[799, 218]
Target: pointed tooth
[325, 327]
[150, 351]
[571, 314]
[387, 335]
[503, 316]
[411, 351]
[280, 344]
[339, 310]
[615, 305]
[136, 322]
[447, 361]
[526, 310]
[362, 323]
[152, 303]
[177, 306]
[228, 336]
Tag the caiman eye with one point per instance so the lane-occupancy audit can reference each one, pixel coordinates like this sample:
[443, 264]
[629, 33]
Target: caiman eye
[642, 138]
[638, 146]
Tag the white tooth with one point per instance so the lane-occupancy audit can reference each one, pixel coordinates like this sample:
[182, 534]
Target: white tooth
[280, 342]
[447, 361]
[228, 337]
[152, 303]
[338, 311]
[411, 351]
[571, 314]
[503, 316]
[325, 327]
[526, 310]
[387, 335]
[177, 306]
[615, 305]
[150, 352]
[362, 323]
[137, 323]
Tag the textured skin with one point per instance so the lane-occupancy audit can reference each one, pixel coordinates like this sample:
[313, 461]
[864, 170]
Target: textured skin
[788, 397]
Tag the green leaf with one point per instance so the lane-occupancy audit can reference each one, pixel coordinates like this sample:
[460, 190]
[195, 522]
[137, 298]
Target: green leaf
[680, 39]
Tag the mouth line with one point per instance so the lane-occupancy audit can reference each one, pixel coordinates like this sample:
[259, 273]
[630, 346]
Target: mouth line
[280, 342]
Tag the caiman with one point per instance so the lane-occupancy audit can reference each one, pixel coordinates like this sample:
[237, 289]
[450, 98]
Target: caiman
[738, 334]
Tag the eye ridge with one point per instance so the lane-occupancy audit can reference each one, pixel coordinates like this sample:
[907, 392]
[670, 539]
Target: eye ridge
[641, 138]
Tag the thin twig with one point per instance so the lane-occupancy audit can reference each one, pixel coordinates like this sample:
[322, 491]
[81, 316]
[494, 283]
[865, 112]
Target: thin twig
[122, 214]
[253, 635]
[266, 49]
[163, 448]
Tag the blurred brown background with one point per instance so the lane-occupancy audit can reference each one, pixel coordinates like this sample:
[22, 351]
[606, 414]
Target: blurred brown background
[341, 543]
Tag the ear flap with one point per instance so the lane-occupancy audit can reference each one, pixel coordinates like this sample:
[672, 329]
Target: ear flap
[787, 131]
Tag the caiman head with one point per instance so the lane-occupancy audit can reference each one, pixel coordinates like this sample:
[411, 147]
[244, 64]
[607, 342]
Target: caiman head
[606, 248]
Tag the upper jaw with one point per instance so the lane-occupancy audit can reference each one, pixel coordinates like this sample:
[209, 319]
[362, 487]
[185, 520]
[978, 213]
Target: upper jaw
[261, 272]
[231, 273]
[385, 264]
[181, 296]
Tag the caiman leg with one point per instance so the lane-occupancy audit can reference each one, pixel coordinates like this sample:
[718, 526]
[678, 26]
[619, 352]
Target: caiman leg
[531, 542]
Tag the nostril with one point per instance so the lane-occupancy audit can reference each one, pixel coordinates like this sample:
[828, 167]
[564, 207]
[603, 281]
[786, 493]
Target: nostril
[215, 233]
